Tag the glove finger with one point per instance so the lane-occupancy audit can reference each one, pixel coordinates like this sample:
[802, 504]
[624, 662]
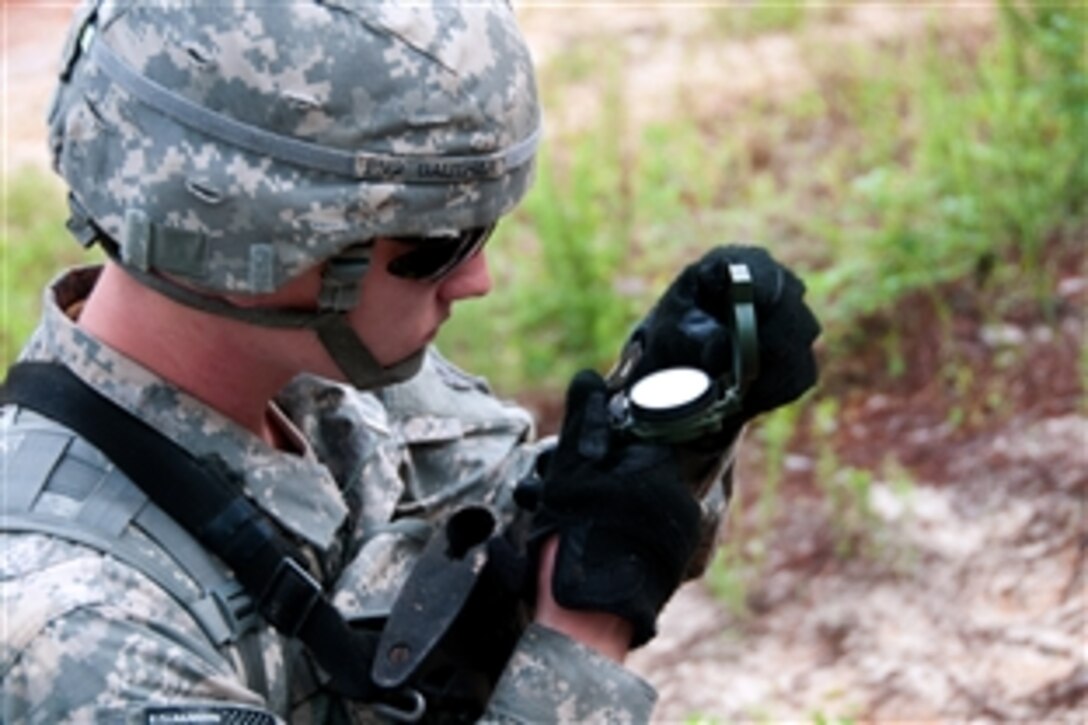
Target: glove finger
[770, 280]
[787, 330]
[714, 285]
[696, 339]
[586, 428]
[788, 364]
[681, 293]
[768, 393]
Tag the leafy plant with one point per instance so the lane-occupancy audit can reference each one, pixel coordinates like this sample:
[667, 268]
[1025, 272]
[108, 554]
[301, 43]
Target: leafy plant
[983, 159]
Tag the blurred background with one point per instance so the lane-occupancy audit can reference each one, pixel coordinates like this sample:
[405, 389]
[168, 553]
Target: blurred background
[908, 542]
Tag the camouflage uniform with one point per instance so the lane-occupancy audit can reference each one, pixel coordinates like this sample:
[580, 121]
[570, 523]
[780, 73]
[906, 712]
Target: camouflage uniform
[88, 637]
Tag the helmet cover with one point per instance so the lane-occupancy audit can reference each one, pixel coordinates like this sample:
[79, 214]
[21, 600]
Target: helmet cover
[234, 145]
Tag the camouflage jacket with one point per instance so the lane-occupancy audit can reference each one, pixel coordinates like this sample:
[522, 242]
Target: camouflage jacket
[87, 637]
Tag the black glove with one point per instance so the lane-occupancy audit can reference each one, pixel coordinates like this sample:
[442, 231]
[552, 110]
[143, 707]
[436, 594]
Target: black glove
[688, 327]
[627, 524]
[691, 327]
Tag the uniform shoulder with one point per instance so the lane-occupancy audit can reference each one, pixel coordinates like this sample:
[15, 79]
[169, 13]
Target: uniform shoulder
[85, 632]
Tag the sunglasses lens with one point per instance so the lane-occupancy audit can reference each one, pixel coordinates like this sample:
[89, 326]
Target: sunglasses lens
[434, 257]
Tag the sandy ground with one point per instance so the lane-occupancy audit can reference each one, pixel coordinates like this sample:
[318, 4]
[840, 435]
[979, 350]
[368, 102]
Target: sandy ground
[972, 608]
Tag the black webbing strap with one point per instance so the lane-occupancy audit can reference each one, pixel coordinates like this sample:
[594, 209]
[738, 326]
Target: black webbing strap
[207, 501]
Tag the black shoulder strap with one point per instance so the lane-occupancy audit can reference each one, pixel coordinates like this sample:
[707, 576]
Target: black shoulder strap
[203, 496]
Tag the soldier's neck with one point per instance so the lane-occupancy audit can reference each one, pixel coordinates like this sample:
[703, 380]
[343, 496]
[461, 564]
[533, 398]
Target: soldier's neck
[216, 360]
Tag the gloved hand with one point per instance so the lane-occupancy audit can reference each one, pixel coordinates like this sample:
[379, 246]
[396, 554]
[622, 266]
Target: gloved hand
[627, 524]
[688, 327]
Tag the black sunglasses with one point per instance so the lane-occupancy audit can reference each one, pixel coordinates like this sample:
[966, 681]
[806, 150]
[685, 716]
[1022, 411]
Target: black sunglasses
[434, 257]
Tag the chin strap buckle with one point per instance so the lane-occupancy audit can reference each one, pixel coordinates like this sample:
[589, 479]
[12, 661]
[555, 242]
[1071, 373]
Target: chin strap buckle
[342, 277]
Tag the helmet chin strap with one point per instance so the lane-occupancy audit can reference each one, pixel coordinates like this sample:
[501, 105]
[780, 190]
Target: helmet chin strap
[353, 357]
[340, 284]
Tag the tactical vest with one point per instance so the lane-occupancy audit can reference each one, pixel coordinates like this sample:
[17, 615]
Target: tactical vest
[57, 484]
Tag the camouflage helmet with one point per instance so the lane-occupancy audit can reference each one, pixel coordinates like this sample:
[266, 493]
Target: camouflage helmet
[235, 144]
[227, 147]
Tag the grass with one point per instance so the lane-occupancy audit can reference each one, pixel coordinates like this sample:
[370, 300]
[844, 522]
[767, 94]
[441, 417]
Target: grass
[983, 162]
[908, 166]
[34, 245]
[754, 18]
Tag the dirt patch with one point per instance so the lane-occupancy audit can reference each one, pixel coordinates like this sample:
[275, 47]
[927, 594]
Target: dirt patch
[33, 34]
[970, 603]
[675, 61]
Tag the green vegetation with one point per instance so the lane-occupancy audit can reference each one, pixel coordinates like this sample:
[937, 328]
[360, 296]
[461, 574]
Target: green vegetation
[756, 18]
[34, 245]
[981, 162]
[699, 720]
[901, 168]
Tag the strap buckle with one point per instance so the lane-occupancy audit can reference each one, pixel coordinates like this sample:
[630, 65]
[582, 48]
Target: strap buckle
[412, 711]
[289, 597]
[340, 279]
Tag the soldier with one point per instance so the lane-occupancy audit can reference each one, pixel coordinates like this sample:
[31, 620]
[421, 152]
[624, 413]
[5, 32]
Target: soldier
[229, 452]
